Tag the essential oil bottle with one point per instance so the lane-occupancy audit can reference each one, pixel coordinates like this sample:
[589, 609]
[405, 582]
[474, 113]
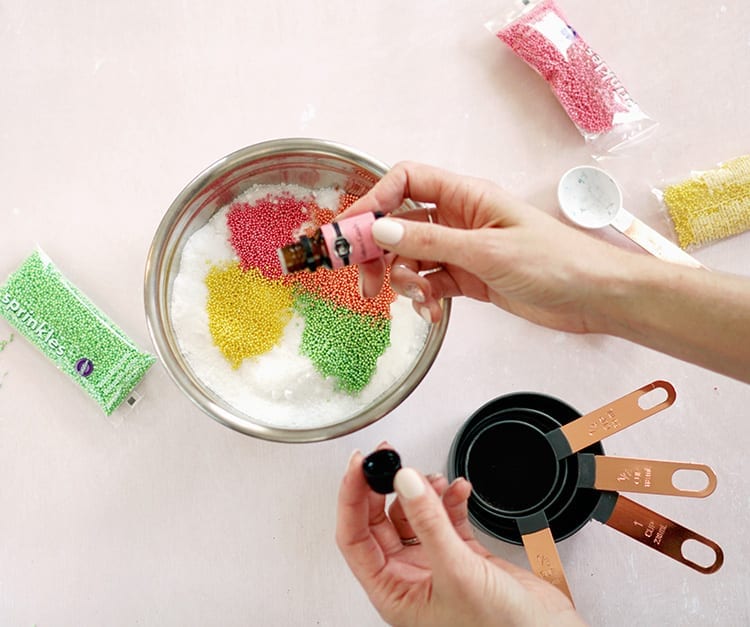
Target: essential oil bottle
[333, 246]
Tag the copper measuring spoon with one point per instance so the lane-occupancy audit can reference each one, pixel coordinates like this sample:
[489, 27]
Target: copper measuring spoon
[653, 530]
[607, 420]
[647, 476]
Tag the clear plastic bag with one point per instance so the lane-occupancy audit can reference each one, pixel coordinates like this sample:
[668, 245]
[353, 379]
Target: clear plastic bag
[593, 97]
[709, 205]
[57, 318]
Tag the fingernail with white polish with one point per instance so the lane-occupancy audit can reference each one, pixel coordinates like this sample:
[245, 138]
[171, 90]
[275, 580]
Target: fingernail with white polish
[426, 315]
[408, 484]
[414, 292]
[387, 232]
[434, 476]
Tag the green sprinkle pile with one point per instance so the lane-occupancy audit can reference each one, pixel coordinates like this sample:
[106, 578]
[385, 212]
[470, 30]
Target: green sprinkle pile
[341, 343]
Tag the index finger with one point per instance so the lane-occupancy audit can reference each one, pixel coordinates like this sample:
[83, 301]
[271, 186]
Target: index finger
[405, 181]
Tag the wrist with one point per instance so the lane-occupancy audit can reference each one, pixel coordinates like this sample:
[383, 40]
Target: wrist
[617, 291]
[695, 315]
[642, 297]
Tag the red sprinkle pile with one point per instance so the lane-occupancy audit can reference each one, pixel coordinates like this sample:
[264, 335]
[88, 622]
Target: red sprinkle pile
[258, 230]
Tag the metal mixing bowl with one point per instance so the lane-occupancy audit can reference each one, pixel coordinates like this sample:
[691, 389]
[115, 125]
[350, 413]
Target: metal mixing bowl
[311, 163]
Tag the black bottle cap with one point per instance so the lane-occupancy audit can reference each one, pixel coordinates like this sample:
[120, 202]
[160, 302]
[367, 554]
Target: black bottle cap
[380, 468]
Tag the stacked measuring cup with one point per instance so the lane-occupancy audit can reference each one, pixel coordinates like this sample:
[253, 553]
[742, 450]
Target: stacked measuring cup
[539, 474]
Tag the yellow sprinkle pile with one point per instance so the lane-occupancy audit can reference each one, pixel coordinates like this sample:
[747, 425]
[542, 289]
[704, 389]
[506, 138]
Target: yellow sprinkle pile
[711, 205]
[247, 313]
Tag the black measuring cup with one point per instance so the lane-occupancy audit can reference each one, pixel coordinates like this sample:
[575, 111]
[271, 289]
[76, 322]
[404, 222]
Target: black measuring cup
[518, 451]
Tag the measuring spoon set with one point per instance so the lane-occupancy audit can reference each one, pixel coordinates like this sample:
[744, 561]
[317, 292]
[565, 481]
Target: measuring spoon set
[539, 474]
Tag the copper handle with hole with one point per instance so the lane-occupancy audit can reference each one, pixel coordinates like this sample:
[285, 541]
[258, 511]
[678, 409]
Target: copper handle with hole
[615, 416]
[647, 476]
[545, 560]
[660, 533]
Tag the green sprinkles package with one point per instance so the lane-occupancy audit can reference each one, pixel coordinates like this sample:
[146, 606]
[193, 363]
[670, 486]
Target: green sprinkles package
[50, 312]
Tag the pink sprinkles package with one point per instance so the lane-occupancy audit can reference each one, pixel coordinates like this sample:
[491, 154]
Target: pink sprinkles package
[587, 88]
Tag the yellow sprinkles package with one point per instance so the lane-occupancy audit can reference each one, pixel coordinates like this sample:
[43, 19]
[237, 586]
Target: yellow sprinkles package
[710, 205]
[50, 312]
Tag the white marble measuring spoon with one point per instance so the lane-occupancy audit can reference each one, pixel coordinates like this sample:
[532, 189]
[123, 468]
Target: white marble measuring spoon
[591, 198]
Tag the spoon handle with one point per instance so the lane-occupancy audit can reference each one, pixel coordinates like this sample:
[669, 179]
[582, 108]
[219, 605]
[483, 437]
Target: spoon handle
[608, 420]
[660, 533]
[625, 474]
[541, 551]
[652, 241]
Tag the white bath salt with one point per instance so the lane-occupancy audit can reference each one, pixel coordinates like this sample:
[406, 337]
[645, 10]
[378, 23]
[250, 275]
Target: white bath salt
[279, 388]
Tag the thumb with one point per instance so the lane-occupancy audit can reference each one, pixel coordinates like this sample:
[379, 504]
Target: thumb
[429, 520]
[424, 241]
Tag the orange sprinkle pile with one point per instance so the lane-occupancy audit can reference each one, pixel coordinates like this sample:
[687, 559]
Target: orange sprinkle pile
[319, 215]
[341, 288]
[346, 201]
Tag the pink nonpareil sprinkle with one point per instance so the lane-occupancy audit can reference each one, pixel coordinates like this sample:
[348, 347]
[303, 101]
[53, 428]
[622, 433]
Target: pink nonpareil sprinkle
[588, 90]
[258, 230]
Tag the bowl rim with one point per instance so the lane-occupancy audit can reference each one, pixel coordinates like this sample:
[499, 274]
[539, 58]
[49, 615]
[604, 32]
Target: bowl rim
[157, 309]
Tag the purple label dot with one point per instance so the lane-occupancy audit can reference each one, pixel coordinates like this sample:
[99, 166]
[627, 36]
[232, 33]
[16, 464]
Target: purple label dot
[84, 367]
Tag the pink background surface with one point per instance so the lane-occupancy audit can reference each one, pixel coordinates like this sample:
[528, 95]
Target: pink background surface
[108, 109]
